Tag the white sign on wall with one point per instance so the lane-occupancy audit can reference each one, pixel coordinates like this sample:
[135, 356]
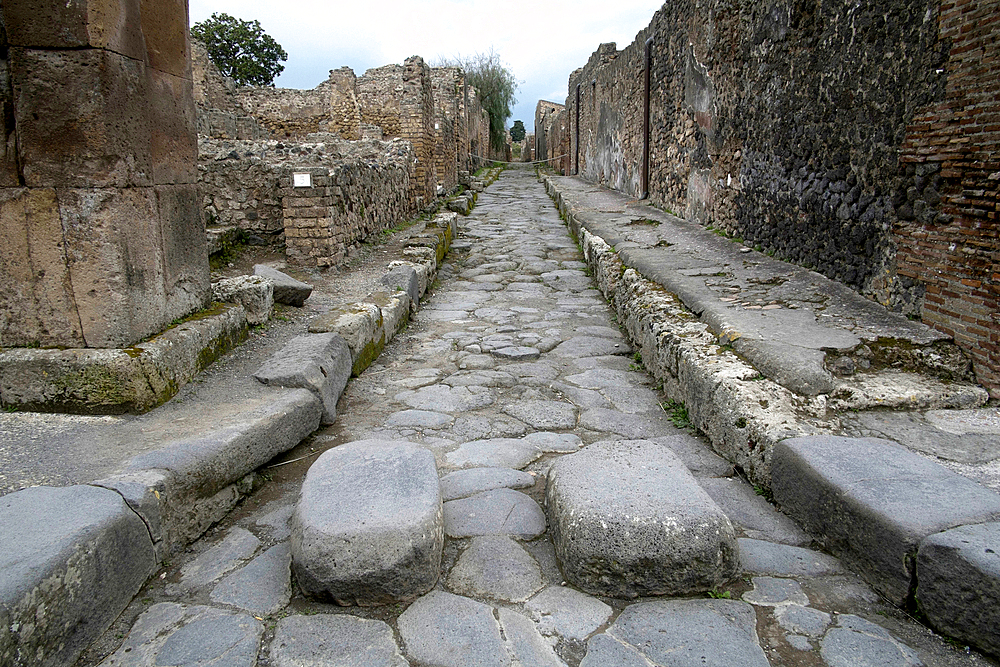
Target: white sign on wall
[302, 180]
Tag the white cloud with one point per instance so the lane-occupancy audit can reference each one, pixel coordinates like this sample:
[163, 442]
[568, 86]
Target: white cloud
[542, 42]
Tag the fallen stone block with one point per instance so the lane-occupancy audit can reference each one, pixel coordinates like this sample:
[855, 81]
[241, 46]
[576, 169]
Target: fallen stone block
[872, 502]
[362, 328]
[320, 363]
[71, 559]
[369, 527]
[628, 519]
[287, 290]
[403, 279]
[254, 293]
[958, 584]
[425, 274]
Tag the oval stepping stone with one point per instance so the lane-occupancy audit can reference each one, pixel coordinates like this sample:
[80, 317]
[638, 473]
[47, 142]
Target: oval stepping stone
[334, 639]
[628, 519]
[368, 526]
[452, 631]
[496, 567]
[464, 483]
[496, 512]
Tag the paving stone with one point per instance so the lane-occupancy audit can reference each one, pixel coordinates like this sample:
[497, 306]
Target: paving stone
[799, 642]
[263, 586]
[606, 651]
[758, 518]
[464, 483]
[872, 502]
[536, 373]
[442, 398]
[237, 546]
[419, 418]
[526, 646]
[543, 414]
[590, 346]
[696, 455]
[716, 633]
[482, 378]
[478, 427]
[567, 612]
[277, 521]
[774, 592]
[517, 353]
[547, 441]
[494, 452]
[334, 639]
[628, 519]
[496, 567]
[626, 425]
[320, 363]
[287, 290]
[958, 583]
[802, 620]
[782, 560]
[368, 526]
[452, 631]
[495, 512]
[856, 642]
[196, 636]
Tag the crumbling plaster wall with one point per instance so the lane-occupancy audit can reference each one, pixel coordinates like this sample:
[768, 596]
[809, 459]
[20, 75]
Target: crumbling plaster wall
[783, 123]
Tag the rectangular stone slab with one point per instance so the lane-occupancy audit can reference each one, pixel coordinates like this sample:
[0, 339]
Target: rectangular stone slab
[369, 525]
[871, 502]
[320, 363]
[629, 520]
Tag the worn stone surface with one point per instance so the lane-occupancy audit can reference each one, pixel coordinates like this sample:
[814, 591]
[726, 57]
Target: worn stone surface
[287, 290]
[237, 546]
[497, 568]
[782, 560]
[73, 557]
[775, 592]
[320, 363]
[464, 483]
[958, 583]
[524, 643]
[872, 502]
[856, 641]
[262, 586]
[300, 641]
[452, 631]
[494, 512]
[368, 528]
[568, 613]
[608, 538]
[750, 512]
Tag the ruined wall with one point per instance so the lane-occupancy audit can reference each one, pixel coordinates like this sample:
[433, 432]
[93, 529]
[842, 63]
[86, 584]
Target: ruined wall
[291, 113]
[218, 114]
[450, 126]
[103, 237]
[782, 124]
[552, 135]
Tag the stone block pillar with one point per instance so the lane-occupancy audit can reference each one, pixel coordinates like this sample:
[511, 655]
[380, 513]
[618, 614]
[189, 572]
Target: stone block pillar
[100, 215]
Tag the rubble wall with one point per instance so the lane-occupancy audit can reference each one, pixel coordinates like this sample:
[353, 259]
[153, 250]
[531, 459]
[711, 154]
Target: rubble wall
[782, 124]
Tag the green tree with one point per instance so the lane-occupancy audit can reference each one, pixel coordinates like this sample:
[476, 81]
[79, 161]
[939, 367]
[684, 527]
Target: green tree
[496, 85]
[241, 49]
[517, 131]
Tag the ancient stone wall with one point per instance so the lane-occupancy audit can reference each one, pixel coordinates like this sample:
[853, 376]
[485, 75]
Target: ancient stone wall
[290, 113]
[103, 237]
[782, 124]
[450, 126]
[219, 115]
[551, 135]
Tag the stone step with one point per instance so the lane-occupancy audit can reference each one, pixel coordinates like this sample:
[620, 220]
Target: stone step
[628, 519]
[369, 526]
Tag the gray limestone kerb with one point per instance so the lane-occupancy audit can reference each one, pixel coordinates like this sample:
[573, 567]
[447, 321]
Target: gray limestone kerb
[319, 362]
[872, 502]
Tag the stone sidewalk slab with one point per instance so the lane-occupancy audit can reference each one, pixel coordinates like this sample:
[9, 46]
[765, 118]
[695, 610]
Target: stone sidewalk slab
[368, 528]
[628, 519]
[872, 502]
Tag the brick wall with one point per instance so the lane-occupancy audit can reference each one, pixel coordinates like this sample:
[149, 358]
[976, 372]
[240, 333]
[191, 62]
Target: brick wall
[947, 229]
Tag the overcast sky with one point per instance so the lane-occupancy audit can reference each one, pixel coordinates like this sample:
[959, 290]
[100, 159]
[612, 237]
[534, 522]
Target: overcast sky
[541, 42]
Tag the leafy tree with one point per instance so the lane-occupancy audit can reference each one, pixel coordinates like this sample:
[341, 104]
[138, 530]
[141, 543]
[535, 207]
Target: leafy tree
[496, 85]
[241, 49]
[517, 131]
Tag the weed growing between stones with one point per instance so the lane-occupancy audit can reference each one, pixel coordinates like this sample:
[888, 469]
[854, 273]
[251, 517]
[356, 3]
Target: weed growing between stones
[717, 594]
[678, 414]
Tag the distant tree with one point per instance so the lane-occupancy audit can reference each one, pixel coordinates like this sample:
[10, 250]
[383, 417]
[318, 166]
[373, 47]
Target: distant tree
[241, 49]
[496, 85]
[517, 131]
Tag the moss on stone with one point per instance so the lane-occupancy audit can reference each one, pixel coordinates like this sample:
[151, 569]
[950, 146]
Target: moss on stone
[367, 355]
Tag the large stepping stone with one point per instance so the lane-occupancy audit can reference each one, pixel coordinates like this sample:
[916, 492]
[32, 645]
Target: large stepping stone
[713, 633]
[334, 639]
[368, 528]
[628, 519]
[958, 583]
[872, 502]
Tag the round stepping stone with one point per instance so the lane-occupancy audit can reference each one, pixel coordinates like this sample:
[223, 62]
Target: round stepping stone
[496, 512]
[368, 526]
[334, 639]
[496, 567]
[465, 483]
[517, 353]
[543, 414]
[628, 519]
[452, 631]
[567, 612]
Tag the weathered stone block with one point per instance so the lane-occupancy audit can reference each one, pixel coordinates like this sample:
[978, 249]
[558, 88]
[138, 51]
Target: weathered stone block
[36, 294]
[287, 290]
[362, 328]
[369, 526]
[101, 24]
[83, 118]
[958, 583]
[173, 129]
[659, 534]
[403, 279]
[165, 31]
[320, 363]
[872, 502]
[395, 308]
[251, 292]
[71, 559]
[186, 275]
